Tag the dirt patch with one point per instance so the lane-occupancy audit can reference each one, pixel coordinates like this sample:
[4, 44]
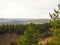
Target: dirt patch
[44, 41]
[7, 39]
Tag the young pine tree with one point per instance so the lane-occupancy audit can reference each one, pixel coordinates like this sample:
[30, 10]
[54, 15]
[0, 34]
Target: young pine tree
[30, 36]
[56, 32]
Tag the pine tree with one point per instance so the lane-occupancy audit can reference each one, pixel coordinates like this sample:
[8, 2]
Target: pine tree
[30, 36]
[54, 20]
[56, 32]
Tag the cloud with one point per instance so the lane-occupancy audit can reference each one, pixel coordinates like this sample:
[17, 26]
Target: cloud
[26, 8]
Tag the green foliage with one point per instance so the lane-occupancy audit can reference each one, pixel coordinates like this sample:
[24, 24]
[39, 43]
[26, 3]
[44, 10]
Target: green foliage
[18, 29]
[22, 41]
[56, 32]
[30, 36]
[55, 40]
[41, 44]
[54, 19]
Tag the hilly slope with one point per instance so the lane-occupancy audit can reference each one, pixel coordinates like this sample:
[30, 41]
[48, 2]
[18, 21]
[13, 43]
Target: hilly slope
[23, 21]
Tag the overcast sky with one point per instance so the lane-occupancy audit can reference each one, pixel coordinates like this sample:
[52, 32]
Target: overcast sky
[27, 8]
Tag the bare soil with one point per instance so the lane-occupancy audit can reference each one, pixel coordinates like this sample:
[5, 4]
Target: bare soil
[44, 41]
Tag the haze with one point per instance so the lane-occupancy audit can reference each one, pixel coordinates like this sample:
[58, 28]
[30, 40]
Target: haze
[27, 8]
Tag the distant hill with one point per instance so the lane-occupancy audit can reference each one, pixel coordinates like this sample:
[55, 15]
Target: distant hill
[23, 21]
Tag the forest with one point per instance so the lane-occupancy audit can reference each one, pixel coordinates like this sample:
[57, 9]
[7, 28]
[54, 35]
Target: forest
[31, 33]
[43, 29]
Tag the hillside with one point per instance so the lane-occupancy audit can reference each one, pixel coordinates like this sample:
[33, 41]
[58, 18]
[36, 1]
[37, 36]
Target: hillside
[23, 21]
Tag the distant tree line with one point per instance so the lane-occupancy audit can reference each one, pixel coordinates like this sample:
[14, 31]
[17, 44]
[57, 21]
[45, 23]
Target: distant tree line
[19, 29]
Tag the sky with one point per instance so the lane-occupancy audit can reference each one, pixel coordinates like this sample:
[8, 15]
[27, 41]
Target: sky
[27, 8]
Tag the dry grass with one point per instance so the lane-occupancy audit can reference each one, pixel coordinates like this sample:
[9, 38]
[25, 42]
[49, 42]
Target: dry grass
[44, 41]
[7, 39]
